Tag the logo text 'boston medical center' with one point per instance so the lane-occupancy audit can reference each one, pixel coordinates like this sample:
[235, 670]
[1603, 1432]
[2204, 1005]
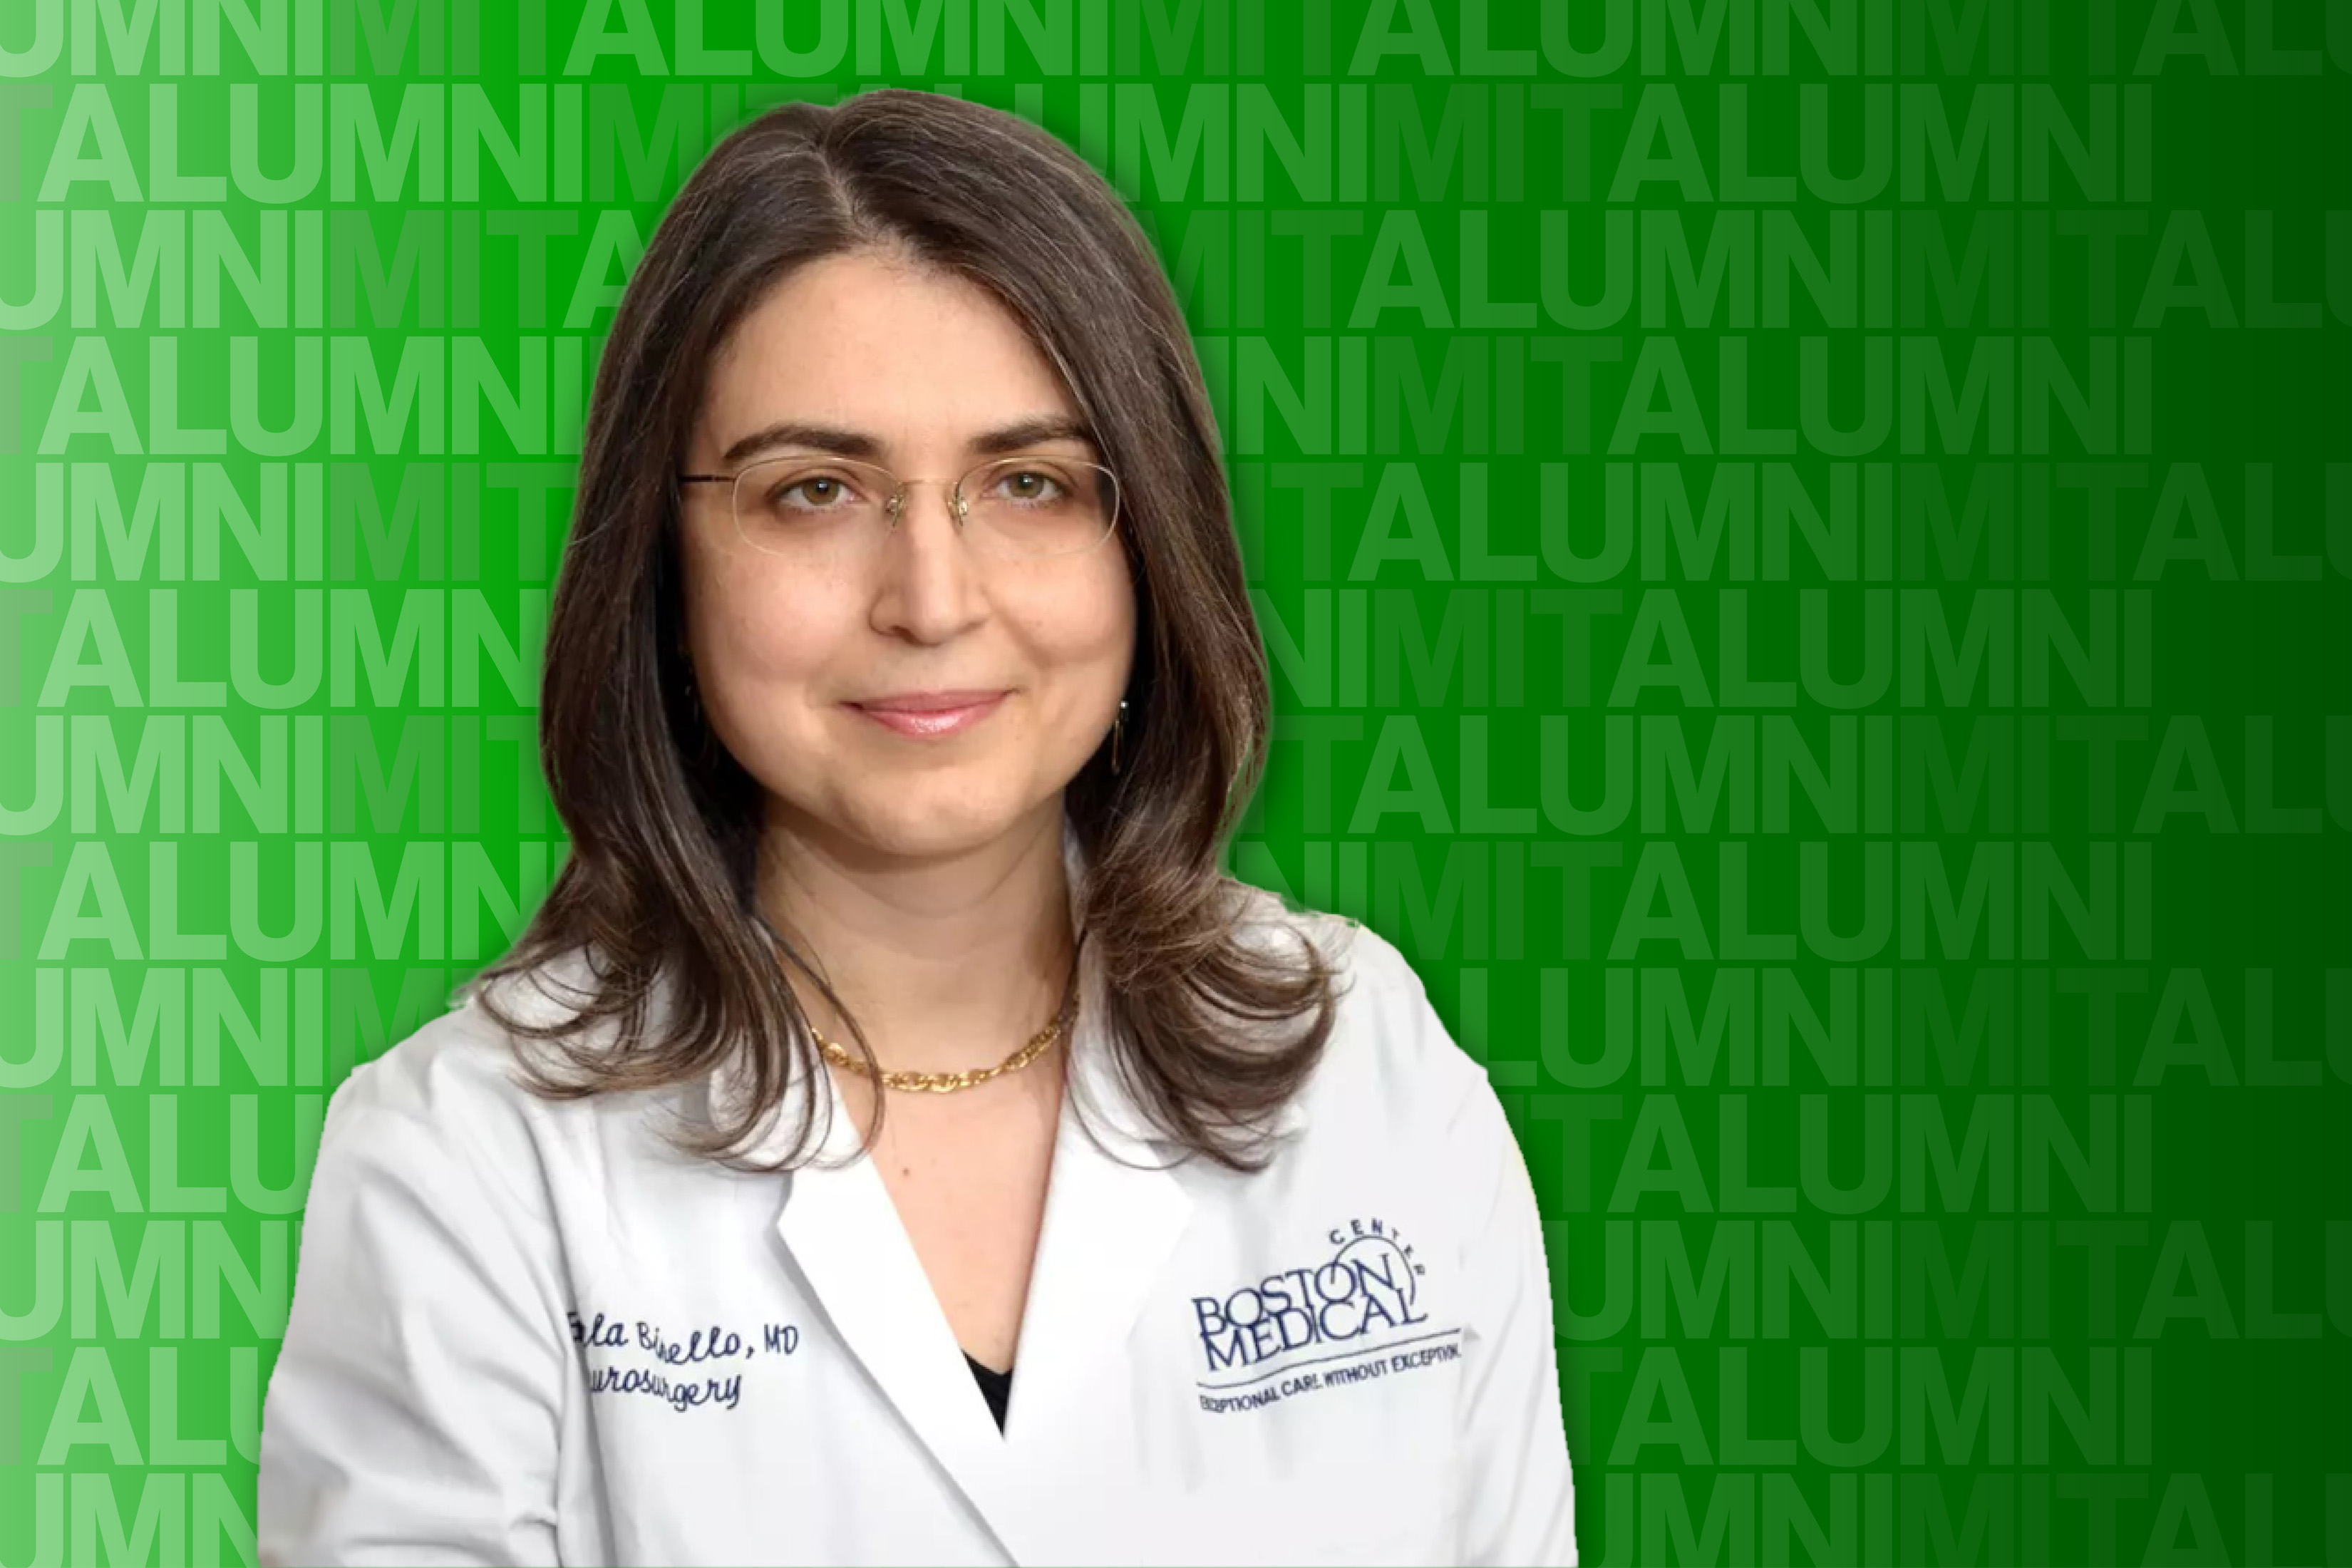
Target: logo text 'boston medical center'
[1367, 1285]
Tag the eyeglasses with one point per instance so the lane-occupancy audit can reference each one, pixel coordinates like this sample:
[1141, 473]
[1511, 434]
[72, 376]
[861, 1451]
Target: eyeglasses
[828, 508]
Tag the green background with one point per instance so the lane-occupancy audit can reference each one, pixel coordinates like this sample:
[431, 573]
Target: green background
[1802, 545]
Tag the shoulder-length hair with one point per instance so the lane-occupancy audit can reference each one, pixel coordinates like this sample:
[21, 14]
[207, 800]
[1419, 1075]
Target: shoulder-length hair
[663, 823]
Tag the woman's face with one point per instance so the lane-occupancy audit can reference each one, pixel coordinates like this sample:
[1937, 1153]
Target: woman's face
[787, 650]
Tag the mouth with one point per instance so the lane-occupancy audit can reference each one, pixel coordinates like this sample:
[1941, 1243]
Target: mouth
[926, 714]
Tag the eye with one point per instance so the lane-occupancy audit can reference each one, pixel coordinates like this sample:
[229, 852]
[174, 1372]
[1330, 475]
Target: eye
[822, 492]
[1034, 486]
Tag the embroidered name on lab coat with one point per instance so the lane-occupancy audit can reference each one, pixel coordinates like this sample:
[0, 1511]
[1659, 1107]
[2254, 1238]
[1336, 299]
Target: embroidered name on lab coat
[690, 1369]
[1352, 1316]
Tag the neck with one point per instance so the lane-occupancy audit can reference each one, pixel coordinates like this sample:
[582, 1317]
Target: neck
[948, 963]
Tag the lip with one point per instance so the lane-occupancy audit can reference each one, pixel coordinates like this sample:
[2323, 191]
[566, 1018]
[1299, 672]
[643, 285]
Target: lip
[924, 714]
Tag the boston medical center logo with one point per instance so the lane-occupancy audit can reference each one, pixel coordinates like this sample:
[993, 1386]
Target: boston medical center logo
[1357, 1298]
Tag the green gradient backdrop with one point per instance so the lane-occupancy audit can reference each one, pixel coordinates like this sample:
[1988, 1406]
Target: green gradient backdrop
[1802, 545]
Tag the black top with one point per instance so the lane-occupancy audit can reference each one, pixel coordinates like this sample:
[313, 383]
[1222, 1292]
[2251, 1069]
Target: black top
[995, 1386]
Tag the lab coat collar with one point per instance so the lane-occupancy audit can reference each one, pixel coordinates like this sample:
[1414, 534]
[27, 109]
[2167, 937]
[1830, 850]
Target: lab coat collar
[1114, 1210]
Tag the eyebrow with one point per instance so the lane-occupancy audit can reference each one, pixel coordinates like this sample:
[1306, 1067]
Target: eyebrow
[1016, 436]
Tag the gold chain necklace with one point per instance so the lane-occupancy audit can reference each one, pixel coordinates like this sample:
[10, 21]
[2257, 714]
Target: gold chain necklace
[949, 1082]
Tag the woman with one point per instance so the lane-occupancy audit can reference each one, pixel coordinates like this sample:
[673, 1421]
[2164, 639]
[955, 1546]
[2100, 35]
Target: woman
[894, 1139]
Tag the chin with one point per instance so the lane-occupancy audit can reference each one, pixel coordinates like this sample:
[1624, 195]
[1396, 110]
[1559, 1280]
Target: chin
[925, 822]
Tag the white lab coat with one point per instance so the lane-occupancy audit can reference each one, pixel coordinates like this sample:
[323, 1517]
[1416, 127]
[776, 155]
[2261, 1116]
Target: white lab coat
[529, 1332]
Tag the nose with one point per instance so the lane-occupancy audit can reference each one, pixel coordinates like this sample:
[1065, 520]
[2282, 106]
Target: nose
[927, 585]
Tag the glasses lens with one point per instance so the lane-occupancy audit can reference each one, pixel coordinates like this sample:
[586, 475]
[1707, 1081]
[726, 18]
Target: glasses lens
[809, 507]
[828, 508]
[1040, 506]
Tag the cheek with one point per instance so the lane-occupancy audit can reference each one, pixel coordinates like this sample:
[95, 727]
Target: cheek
[756, 630]
[1088, 621]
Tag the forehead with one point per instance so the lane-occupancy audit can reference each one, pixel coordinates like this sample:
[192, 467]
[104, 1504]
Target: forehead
[911, 355]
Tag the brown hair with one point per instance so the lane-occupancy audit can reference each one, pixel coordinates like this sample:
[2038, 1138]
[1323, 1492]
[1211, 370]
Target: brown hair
[663, 823]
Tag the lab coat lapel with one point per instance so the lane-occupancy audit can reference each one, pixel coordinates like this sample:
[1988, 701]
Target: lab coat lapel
[1114, 1213]
[843, 1232]
[846, 1237]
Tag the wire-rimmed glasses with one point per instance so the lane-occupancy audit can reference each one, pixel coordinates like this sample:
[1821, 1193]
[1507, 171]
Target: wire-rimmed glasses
[1028, 508]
